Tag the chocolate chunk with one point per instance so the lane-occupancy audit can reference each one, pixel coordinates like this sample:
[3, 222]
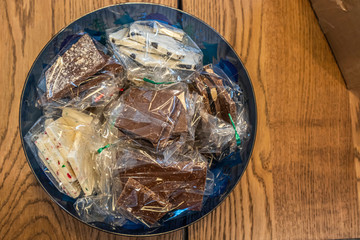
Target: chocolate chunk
[184, 66]
[79, 62]
[182, 183]
[154, 45]
[153, 115]
[111, 69]
[143, 203]
[133, 55]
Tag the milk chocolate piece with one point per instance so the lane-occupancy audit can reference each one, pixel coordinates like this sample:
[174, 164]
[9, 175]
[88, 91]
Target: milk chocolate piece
[182, 183]
[79, 62]
[142, 203]
[155, 115]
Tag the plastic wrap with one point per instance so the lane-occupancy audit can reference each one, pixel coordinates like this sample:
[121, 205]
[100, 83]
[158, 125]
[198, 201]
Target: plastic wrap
[156, 51]
[81, 76]
[144, 187]
[63, 145]
[145, 152]
[156, 117]
[224, 119]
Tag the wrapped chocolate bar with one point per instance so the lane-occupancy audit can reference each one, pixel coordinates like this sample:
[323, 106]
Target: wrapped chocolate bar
[151, 49]
[81, 76]
[145, 187]
[63, 146]
[224, 119]
[154, 117]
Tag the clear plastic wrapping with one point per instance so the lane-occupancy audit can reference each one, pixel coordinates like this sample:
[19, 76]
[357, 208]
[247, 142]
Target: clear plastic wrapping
[156, 51]
[63, 146]
[156, 117]
[224, 119]
[81, 75]
[145, 187]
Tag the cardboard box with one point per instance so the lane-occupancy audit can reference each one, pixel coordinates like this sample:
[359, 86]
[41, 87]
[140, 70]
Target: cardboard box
[340, 22]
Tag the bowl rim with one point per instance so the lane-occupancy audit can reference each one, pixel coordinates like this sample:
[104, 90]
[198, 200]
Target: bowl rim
[113, 232]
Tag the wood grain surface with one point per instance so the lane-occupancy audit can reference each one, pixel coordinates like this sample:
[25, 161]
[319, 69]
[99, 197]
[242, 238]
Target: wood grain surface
[301, 182]
[26, 212]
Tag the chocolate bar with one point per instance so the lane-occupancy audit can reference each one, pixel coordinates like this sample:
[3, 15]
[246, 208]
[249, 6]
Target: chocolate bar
[190, 62]
[154, 115]
[144, 204]
[69, 70]
[180, 181]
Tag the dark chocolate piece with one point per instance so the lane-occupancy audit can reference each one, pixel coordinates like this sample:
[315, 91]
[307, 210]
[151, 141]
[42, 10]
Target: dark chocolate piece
[78, 63]
[184, 66]
[111, 69]
[154, 45]
[217, 99]
[144, 204]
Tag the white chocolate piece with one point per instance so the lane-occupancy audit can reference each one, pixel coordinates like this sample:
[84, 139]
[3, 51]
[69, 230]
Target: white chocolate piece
[80, 160]
[126, 42]
[159, 28]
[165, 45]
[62, 135]
[52, 160]
[141, 42]
[190, 62]
[118, 35]
[75, 118]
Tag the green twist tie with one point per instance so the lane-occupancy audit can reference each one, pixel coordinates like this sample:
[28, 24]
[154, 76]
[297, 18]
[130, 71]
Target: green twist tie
[150, 81]
[238, 140]
[101, 149]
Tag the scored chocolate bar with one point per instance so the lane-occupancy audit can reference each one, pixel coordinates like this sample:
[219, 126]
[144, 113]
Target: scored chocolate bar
[144, 204]
[182, 182]
[153, 115]
[79, 62]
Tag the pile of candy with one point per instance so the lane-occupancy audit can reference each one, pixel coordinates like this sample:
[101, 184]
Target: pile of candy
[130, 129]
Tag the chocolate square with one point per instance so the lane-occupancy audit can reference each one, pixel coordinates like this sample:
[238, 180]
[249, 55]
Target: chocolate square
[142, 203]
[155, 115]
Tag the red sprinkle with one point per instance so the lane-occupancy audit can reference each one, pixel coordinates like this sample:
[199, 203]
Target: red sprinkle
[69, 176]
[45, 132]
[59, 162]
[121, 90]
[99, 97]
[57, 172]
[47, 158]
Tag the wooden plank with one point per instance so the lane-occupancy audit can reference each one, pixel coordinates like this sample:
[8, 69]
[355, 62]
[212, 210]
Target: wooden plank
[301, 181]
[354, 97]
[26, 212]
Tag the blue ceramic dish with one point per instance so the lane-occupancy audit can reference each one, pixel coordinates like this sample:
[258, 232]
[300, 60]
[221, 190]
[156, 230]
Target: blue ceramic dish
[216, 50]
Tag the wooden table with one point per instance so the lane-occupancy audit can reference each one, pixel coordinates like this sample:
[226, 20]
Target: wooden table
[301, 182]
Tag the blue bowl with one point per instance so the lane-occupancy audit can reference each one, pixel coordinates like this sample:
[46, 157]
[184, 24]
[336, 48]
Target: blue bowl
[216, 51]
